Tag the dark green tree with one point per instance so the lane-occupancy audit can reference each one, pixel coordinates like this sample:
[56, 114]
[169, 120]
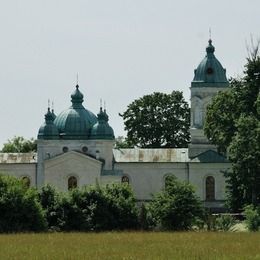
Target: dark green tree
[19, 144]
[177, 207]
[158, 120]
[232, 123]
[122, 205]
[20, 209]
[98, 208]
[52, 202]
[244, 152]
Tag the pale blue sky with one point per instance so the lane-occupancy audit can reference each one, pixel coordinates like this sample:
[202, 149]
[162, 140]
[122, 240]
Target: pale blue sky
[122, 49]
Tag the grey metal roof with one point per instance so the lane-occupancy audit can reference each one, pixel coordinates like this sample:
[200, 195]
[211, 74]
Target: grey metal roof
[18, 157]
[151, 155]
[210, 157]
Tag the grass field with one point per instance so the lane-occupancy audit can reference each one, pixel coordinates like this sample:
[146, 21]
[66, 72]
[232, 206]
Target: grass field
[131, 245]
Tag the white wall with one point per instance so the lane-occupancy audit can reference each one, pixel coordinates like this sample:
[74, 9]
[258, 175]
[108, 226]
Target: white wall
[58, 170]
[20, 170]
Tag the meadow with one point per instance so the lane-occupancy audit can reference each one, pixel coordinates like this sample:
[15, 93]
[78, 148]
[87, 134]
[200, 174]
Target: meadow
[131, 245]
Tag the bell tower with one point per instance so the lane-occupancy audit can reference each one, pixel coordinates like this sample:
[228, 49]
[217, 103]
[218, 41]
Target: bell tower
[209, 79]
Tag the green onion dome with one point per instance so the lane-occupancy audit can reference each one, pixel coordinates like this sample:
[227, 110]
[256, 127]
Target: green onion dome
[75, 123]
[48, 130]
[210, 69]
[102, 130]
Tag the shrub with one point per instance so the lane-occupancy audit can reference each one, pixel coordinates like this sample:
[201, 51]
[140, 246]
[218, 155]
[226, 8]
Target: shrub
[52, 202]
[122, 206]
[19, 207]
[224, 222]
[177, 207]
[252, 217]
[100, 208]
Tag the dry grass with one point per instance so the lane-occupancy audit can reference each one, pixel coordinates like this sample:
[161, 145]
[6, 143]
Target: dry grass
[131, 245]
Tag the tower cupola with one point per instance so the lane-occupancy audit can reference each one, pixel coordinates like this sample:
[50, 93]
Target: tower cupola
[102, 130]
[48, 130]
[210, 71]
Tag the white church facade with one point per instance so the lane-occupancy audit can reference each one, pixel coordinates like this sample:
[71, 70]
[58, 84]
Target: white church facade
[76, 148]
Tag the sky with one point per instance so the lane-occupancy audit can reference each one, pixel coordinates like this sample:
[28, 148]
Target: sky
[120, 49]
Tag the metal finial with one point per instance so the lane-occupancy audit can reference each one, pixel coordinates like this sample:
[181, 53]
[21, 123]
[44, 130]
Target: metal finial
[48, 103]
[105, 105]
[52, 106]
[209, 33]
[77, 78]
[100, 102]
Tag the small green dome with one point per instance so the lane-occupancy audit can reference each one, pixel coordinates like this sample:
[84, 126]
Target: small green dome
[210, 69]
[48, 130]
[102, 130]
[75, 123]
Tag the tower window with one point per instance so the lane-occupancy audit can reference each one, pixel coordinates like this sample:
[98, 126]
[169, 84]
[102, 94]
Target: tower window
[72, 182]
[210, 188]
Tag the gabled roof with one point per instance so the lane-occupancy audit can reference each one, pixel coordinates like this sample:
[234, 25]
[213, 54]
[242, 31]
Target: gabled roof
[210, 156]
[74, 154]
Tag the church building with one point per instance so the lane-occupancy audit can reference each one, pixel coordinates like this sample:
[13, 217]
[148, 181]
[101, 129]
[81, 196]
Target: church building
[76, 148]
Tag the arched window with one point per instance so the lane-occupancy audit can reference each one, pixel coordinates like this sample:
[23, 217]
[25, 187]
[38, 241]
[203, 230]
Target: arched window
[26, 180]
[210, 188]
[72, 182]
[125, 179]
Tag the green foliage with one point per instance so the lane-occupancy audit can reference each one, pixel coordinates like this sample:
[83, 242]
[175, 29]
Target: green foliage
[19, 145]
[224, 222]
[52, 202]
[177, 207]
[244, 152]
[19, 207]
[252, 217]
[122, 205]
[101, 208]
[122, 142]
[158, 120]
[232, 123]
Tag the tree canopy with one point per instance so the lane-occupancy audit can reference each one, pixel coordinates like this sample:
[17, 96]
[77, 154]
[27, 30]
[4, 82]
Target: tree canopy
[19, 144]
[232, 123]
[158, 120]
[19, 207]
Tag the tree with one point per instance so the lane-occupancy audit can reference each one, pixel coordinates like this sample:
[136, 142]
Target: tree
[19, 207]
[52, 202]
[244, 152]
[122, 206]
[232, 123]
[19, 144]
[177, 207]
[95, 208]
[158, 120]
